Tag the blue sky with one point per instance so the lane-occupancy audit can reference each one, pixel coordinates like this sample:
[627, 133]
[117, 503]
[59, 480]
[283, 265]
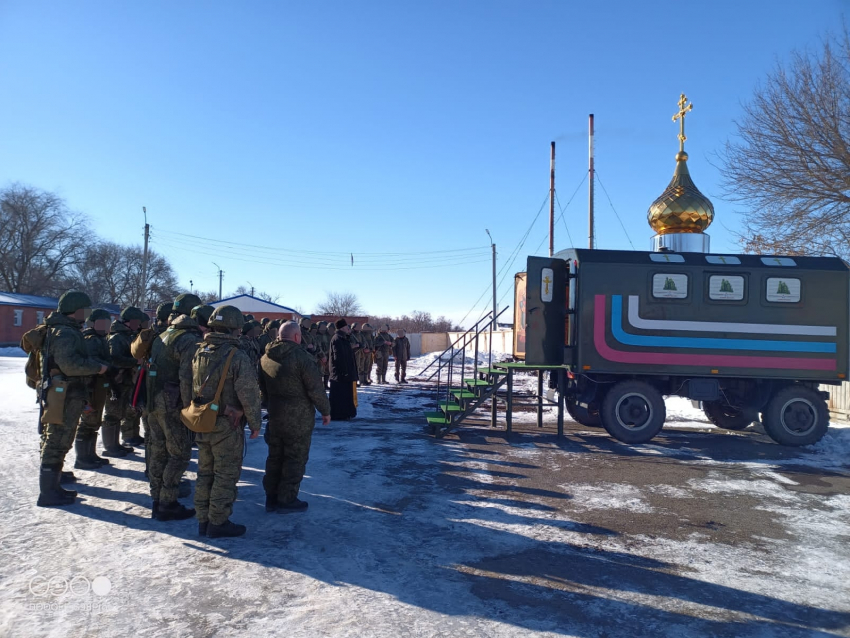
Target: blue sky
[301, 132]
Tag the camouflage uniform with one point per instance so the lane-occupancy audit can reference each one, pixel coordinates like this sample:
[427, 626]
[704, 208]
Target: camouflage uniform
[323, 342]
[367, 335]
[220, 451]
[307, 339]
[401, 353]
[383, 348]
[119, 411]
[293, 388]
[269, 335]
[170, 390]
[97, 348]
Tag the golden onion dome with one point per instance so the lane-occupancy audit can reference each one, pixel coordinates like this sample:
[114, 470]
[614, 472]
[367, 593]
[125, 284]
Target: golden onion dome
[681, 208]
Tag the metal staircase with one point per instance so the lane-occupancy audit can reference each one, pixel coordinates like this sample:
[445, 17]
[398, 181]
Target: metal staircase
[462, 385]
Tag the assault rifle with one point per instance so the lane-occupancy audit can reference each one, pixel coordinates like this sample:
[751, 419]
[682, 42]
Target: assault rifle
[45, 380]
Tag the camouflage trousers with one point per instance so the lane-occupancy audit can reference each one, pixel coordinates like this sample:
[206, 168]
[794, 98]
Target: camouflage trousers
[289, 449]
[119, 412]
[57, 438]
[382, 361]
[219, 467]
[92, 417]
[368, 362]
[400, 370]
[168, 449]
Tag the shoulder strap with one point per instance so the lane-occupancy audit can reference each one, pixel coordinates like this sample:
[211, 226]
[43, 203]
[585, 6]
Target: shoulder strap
[223, 375]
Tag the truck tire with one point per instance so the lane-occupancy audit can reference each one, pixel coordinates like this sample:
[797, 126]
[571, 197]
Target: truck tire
[633, 412]
[796, 415]
[588, 416]
[727, 417]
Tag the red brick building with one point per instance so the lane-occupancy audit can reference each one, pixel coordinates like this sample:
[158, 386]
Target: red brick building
[19, 313]
[258, 307]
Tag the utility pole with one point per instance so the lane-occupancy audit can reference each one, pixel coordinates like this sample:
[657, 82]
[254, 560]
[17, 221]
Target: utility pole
[552, 203]
[590, 185]
[220, 277]
[144, 285]
[191, 286]
[493, 246]
[252, 288]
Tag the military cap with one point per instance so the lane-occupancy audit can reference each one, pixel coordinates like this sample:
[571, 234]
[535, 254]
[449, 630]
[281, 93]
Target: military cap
[131, 312]
[184, 303]
[226, 317]
[202, 314]
[72, 301]
[164, 310]
[97, 314]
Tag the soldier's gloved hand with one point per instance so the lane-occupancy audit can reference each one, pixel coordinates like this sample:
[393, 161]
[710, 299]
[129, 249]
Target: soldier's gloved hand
[254, 434]
[326, 419]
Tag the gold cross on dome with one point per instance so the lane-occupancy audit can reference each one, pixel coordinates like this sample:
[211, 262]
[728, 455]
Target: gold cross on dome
[683, 109]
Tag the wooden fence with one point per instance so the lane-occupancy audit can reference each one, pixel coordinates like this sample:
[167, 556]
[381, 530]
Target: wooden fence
[839, 400]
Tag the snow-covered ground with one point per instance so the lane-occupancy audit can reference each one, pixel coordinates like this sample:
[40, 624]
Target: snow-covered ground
[696, 534]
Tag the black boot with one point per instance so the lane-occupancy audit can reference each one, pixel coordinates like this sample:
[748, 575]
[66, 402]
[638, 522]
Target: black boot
[67, 477]
[82, 447]
[135, 441]
[295, 505]
[111, 447]
[184, 489]
[271, 502]
[48, 481]
[174, 512]
[93, 452]
[226, 530]
[154, 509]
[203, 527]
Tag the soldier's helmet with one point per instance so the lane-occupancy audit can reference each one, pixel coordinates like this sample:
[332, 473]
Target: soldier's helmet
[131, 312]
[184, 303]
[229, 317]
[305, 323]
[202, 314]
[164, 310]
[323, 326]
[250, 325]
[273, 325]
[72, 301]
[355, 327]
[264, 321]
[97, 314]
[249, 317]
[366, 326]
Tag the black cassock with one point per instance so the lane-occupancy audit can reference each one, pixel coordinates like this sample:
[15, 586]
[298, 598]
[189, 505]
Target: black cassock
[343, 376]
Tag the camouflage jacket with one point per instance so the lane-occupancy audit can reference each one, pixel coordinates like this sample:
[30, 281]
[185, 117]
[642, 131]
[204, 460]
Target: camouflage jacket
[383, 343]
[240, 386]
[307, 343]
[401, 349]
[97, 348]
[171, 358]
[120, 338]
[356, 341]
[367, 338]
[323, 341]
[292, 385]
[264, 340]
[68, 355]
[251, 347]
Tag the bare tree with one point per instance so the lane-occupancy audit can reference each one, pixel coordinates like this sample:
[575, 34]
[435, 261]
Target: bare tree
[208, 297]
[790, 165]
[268, 297]
[340, 304]
[39, 239]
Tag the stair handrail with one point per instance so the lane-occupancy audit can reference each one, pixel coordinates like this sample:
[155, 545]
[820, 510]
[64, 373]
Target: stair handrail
[453, 345]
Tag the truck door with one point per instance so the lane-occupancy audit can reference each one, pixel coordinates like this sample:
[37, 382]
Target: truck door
[546, 311]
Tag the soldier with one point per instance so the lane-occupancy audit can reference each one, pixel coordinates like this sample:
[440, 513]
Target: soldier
[170, 390]
[97, 347]
[248, 341]
[68, 366]
[323, 341]
[343, 375]
[367, 335]
[220, 451]
[331, 332]
[119, 413]
[292, 387]
[306, 339]
[357, 346]
[269, 335]
[383, 347]
[163, 316]
[401, 352]
[264, 322]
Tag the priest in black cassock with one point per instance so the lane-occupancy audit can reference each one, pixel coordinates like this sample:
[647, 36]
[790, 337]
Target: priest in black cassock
[343, 374]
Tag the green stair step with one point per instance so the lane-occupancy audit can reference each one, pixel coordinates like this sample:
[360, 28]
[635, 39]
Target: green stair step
[437, 418]
[449, 406]
[463, 394]
[492, 371]
[477, 382]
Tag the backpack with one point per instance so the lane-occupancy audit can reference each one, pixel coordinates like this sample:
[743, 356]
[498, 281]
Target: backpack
[32, 343]
[141, 346]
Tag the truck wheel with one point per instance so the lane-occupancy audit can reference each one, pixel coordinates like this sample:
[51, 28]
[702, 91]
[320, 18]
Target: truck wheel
[633, 412]
[727, 417]
[796, 415]
[588, 416]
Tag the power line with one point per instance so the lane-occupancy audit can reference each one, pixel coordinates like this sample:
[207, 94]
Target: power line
[615, 210]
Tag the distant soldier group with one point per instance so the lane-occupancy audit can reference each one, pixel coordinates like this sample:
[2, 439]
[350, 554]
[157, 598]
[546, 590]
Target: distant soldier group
[115, 375]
